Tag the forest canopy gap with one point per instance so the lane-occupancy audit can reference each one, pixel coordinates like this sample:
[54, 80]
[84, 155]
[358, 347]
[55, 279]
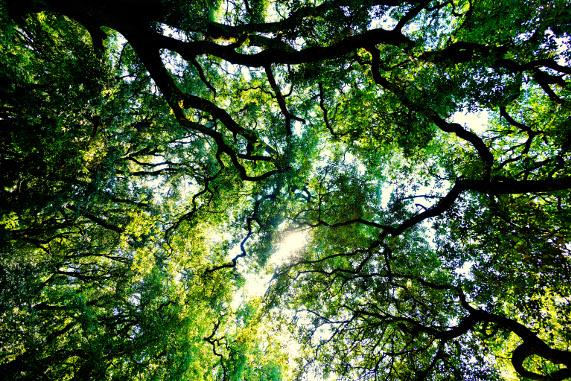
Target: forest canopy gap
[156, 154]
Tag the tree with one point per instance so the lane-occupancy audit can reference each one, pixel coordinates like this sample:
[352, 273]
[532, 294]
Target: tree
[154, 138]
[92, 287]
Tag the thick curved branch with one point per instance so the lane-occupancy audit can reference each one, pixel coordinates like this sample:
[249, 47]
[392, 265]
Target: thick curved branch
[412, 13]
[175, 97]
[504, 113]
[460, 52]
[455, 128]
[292, 22]
[532, 344]
[281, 100]
[494, 187]
[272, 55]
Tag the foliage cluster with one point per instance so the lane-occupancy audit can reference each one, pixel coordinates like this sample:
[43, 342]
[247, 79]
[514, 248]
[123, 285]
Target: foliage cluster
[151, 149]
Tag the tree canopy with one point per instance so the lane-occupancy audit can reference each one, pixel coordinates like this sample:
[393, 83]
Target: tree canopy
[153, 152]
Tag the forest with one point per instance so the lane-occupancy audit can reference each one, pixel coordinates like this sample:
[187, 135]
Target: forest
[157, 156]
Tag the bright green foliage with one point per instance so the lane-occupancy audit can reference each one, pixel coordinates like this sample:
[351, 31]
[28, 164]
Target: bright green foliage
[152, 153]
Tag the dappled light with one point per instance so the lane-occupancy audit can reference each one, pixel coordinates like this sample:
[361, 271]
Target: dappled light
[256, 190]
